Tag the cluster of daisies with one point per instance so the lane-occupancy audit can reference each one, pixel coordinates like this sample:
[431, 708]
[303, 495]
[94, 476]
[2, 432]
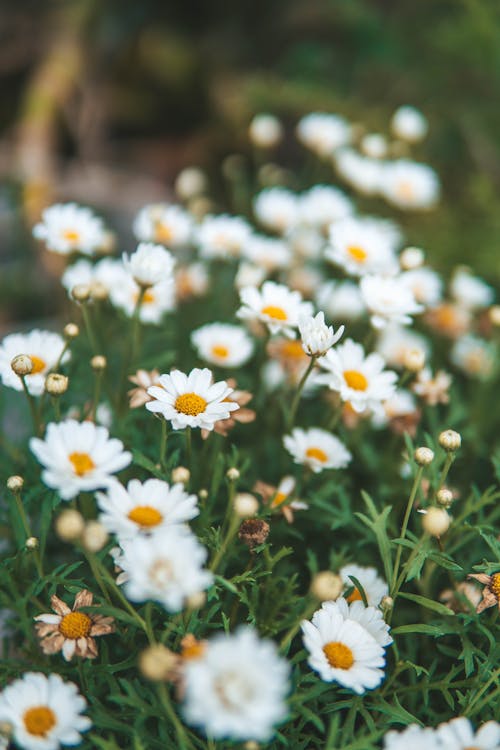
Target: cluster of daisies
[313, 278]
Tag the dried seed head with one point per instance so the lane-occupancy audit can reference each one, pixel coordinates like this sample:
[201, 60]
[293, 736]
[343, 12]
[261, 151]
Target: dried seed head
[56, 384]
[69, 525]
[436, 521]
[450, 440]
[444, 497]
[253, 532]
[158, 663]
[71, 331]
[15, 483]
[423, 456]
[32, 542]
[94, 536]
[181, 475]
[245, 505]
[327, 586]
[81, 292]
[22, 364]
[233, 474]
[98, 363]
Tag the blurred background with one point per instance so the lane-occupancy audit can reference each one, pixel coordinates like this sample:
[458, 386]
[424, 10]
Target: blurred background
[105, 101]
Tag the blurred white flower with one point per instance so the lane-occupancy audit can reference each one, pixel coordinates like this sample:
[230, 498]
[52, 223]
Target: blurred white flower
[265, 131]
[409, 185]
[67, 227]
[322, 133]
[223, 344]
[277, 209]
[409, 124]
[44, 348]
[470, 291]
[149, 265]
[165, 224]
[389, 300]
[222, 236]
[317, 449]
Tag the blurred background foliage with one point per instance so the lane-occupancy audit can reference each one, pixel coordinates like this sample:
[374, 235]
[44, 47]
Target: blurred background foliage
[104, 101]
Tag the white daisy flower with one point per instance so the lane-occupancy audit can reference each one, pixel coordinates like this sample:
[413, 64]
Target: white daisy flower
[78, 457]
[223, 344]
[44, 348]
[426, 285]
[342, 650]
[341, 300]
[395, 343]
[323, 204]
[458, 734]
[269, 253]
[361, 247]
[275, 305]
[164, 224]
[192, 400]
[191, 281]
[165, 567]
[156, 302]
[276, 209]
[144, 507]
[470, 291]
[412, 738]
[389, 300]
[107, 272]
[67, 227]
[317, 449]
[45, 712]
[409, 124]
[249, 275]
[401, 404]
[265, 131]
[370, 618]
[149, 265]
[375, 588]
[223, 236]
[322, 133]
[361, 380]
[474, 356]
[317, 337]
[409, 185]
[237, 688]
[360, 172]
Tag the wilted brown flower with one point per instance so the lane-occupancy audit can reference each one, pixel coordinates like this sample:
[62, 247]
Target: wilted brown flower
[143, 379]
[242, 415]
[253, 532]
[71, 631]
[491, 591]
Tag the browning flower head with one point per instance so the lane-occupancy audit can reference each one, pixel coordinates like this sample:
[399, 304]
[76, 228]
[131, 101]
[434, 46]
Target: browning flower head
[491, 590]
[253, 531]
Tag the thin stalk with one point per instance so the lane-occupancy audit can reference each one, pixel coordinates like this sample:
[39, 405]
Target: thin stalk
[182, 737]
[234, 523]
[447, 465]
[404, 527]
[163, 443]
[32, 405]
[306, 614]
[57, 408]
[189, 447]
[97, 392]
[300, 388]
[136, 324]
[89, 328]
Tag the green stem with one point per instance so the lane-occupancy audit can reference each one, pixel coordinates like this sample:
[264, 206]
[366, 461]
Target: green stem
[404, 527]
[97, 392]
[189, 447]
[182, 737]
[136, 325]
[289, 635]
[447, 465]
[234, 523]
[89, 328]
[300, 388]
[32, 405]
[163, 443]
[57, 408]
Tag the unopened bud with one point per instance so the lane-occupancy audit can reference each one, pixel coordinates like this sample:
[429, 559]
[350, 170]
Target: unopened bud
[444, 497]
[387, 603]
[196, 601]
[15, 483]
[251, 745]
[436, 521]
[6, 730]
[98, 291]
[56, 384]
[203, 494]
[245, 505]
[450, 440]
[494, 314]
[98, 363]
[327, 586]
[32, 542]
[158, 663]
[181, 475]
[411, 258]
[22, 364]
[190, 183]
[81, 292]
[233, 474]
[414, 360]
[69, 525]
[71, 331]
[423, 456]
[265, 131]
[94, 536]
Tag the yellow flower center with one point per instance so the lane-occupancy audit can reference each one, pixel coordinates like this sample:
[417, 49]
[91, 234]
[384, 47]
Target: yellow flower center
[221, 351]
[355, 596]
[191, 404]
[193, 650]
[317, 453]
[495, 585]
[274, 312]
[293, 349]
[163, 233]
[355, 380]
[75, 625]
[82, 463]
[357, 253]
[71, 236]
[39, 364]
[279, 499]
[39, 720]
[145, 515]
[339, 655]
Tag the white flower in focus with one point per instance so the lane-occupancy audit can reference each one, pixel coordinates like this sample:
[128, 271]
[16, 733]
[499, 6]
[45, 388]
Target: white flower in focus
[78, 457]
[317, 337]
[67, 227]
[458, 734]
[370, 617]
[389, 300]
[149, 265]
[323, 133]
[276, 209]
[342, 300]
[470, 291]
[223, 344]
[412, 738]
[361, 247]
[44, 712]
[165, 567]
[409, 124]
[426, 285]
[192, 400]
[409, 186]
[361, 380]
[144, 507]
[44, 348]
[268, 253]
[163, 224]
[317, 449]
[375, 588]
[237, 687]
[322, 204]
[265, 131]
[223, 236]
[275, 305]
[343, 650]
[474, 356]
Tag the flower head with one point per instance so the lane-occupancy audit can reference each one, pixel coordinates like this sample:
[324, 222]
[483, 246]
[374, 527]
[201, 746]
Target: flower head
[491, 591]
[44, 348]
[317, 337]
[409, 124]
[142, 380]
[67, 227]
[459, 734]
[323, 133]
[389, 300]
[317, 449]
[150, 264]
[275, 305]
[222, 236]
[163, 224]
[361, 246]
[223, 344]
[374, 587]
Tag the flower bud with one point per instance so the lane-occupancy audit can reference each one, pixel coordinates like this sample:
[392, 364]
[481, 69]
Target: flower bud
[251, 745]
[81, 292]
[414, 360]
[450, 440]
[98, 291]
[436, 521]
[245, 505]
[22, 364]
[190, 183]
[69, 525]
[196, 601]
[423, 456]
[203, 494]
[32, 542]
[233, 474]
[15, 483]
[411, 258]
[6, 730]
[181, 475]
[158, 663]
[444, 497]
[494, 314]
[327, 586]
[265, 131]
[71, 331]
[387, 603]
[94, 536]
[98, 363]
[56, 384]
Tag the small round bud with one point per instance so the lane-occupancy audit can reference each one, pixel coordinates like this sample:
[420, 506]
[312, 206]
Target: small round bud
[436, 521]
[251, 745]
[69, 525]
[181, 475]
[32, 542]
[81, 292]
[94, 536]
[444, 497]
[98, 291]
[200, 207]
[203, 494]
[233, 474]
[265, 131]
[6, 729]
[98, 363]
[450, 440]
[423, 456]
[245, 505]
[158, 663]
[414, 360]
[411, 258]
[71, 331]
[190, 183]
[15, 483]
[253, 532]
[196, 601]
[22, 364]
[327, 586]
[494, 314]
[56, 384]
[386, 603]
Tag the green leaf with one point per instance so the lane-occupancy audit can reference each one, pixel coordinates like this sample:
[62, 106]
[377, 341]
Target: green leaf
[428, 603]
[418, 628]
